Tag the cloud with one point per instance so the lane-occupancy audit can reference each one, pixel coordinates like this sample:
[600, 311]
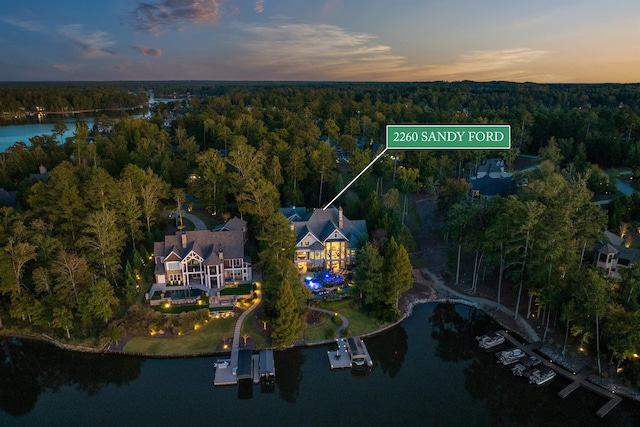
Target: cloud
[304, 51]
[34, 26]
[315, 51]
[153, 17]
[259, 7]
[148, 51]
[92, 44]
[488, 64]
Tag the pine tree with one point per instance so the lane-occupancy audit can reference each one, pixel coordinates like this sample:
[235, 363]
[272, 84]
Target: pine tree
[398, 269]
[287, 324]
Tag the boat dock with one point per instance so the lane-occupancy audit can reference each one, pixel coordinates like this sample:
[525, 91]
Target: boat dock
[339, 358]
[247, 366]
[576, 380]
[350, 352]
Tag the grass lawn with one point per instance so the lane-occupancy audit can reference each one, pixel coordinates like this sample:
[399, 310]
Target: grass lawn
[261, 340]
[204, 340]
[241, 289]
[318, 332]
[359, 323]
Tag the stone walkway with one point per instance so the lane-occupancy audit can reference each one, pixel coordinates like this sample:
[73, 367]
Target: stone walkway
[235, 346]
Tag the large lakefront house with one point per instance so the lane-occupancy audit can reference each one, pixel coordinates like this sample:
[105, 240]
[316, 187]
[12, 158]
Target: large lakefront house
[325, 239]
[204, 260]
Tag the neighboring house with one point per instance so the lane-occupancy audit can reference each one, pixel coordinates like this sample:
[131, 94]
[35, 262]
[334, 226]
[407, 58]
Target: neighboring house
[490, 181]
[235, 224]
[325, 239]
[612, 254]
[42, 175]
[201, 259]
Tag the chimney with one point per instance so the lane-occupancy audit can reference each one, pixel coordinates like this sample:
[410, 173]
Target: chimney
[184, 240]
[221, 254]
[42, 170]
[340, 218]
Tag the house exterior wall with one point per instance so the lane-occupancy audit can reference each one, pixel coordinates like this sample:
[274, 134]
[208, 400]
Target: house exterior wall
[335, 255]
[194, 271]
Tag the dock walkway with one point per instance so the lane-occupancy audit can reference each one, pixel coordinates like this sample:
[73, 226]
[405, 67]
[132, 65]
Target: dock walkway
[227, 376]
[576, 380]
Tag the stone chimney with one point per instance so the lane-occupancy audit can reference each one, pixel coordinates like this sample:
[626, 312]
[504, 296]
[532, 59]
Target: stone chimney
[340, 218]
[183, 236]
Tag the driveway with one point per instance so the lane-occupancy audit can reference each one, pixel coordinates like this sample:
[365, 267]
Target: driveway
[198, 224]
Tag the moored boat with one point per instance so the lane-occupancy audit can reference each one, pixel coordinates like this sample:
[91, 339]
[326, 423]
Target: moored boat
[490, 340]
[541, 376]
[524, 364]
[508, 357]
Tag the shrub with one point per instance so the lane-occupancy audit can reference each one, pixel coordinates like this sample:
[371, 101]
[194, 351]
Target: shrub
[330, 333]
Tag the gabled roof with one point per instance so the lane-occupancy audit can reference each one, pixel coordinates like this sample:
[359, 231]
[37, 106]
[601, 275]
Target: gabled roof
[328, 231]
[613, 238]
[293, 213]
[234, 224]
[323, 222]
[487, 186]
[489, 166]
[608, 248]
[302, 232]
[205, 243]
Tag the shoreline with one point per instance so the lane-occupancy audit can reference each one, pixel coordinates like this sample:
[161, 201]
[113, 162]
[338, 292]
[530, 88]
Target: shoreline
[424, 291]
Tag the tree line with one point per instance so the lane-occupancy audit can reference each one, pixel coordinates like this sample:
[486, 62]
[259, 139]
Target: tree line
[16, 102]
[541, 241]
[249, 149]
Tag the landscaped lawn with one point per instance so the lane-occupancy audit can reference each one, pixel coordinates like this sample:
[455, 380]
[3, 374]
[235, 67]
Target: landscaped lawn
[318, 331]
[204, 340]
[261, 340]
[241, 289]
[359, 323]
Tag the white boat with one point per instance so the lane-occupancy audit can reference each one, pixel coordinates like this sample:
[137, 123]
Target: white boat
[508, 357]
[221, 364]
[541, 376]
[524, 364]
[490, 340]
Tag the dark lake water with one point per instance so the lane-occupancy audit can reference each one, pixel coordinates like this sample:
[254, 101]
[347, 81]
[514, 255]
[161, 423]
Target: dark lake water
[427, 372]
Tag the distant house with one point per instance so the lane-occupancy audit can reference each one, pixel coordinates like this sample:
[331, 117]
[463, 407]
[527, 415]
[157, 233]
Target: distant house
[42, 175]
[235, 224]
[612, 254]
[201, 259]
[325, 239]
[490, 181]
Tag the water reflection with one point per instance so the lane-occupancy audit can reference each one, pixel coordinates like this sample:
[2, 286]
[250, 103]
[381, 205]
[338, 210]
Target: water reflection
[289, 374]
[427, 371]
[30, 368]
[389, 350]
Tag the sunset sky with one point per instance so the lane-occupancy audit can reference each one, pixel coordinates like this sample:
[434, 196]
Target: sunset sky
[321, 40]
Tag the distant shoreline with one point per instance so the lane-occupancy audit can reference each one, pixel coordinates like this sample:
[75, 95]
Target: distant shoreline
[28, 114]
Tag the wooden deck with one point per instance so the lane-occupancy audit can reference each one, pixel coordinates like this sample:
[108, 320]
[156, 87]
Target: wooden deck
[576, 380]
[340, 358]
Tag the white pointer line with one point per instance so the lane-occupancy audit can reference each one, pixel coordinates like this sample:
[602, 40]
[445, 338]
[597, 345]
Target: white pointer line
[356, 177]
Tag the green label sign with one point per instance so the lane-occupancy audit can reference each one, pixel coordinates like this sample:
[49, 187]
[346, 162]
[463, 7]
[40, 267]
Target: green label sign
[449, 137]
